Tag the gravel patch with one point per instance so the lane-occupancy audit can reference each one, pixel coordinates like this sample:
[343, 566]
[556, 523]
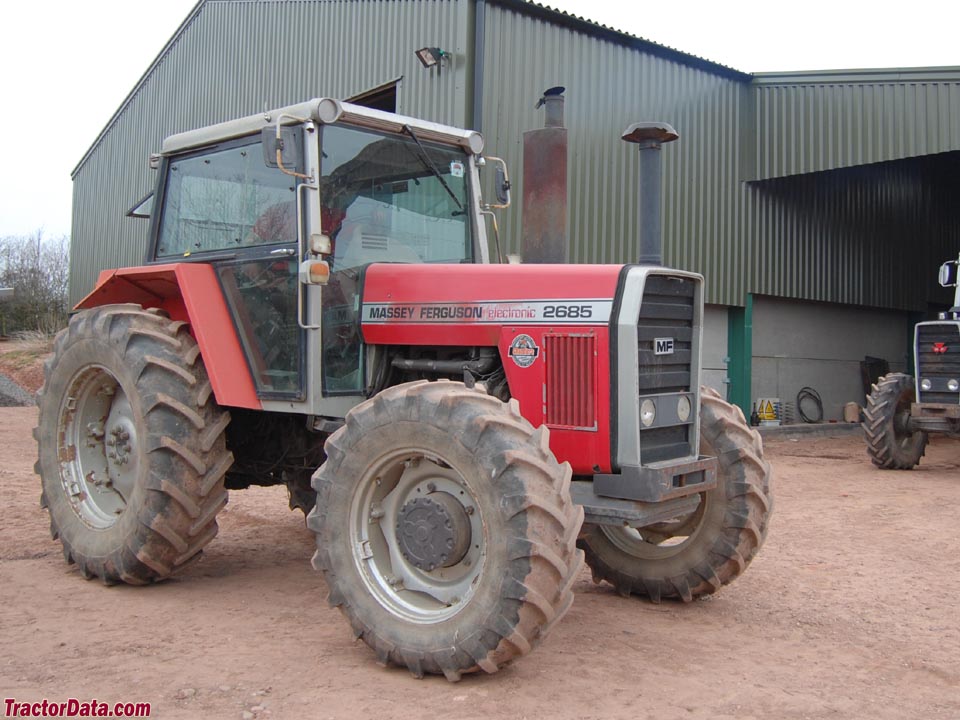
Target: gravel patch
[12, 395]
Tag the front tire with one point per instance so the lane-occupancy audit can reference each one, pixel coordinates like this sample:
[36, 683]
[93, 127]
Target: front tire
[132, 453]
[695, 555]
[890, 445]
[445, 529]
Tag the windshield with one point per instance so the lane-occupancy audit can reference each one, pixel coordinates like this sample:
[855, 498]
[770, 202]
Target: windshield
[392, 199]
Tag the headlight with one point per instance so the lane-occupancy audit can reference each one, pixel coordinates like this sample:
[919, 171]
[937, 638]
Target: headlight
[683, 408]
[648, 412]
[925, 384]
[953, 385]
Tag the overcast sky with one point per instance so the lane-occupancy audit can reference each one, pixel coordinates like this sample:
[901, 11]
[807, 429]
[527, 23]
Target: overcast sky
[67, 66]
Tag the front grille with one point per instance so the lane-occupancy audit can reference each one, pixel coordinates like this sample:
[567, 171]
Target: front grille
[938, 367]
[665, 443]
[666, 313]
[571, 393]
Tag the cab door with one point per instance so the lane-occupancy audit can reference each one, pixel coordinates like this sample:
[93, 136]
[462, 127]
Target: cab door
[223, 205]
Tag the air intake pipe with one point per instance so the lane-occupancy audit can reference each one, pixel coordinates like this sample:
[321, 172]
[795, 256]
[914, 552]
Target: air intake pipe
[649, 137]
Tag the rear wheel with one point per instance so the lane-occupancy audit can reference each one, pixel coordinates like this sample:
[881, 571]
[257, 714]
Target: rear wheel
[890, 443]
[132, 453]
[445, 529]
[698, 553]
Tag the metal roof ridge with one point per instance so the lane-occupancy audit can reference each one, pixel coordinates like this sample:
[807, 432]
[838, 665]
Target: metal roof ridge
[578, 22]
[909, 74]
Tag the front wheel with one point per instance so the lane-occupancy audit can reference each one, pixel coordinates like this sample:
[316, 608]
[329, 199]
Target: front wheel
[445, 529]
[132, 452]
[698, 553]
[890, 443]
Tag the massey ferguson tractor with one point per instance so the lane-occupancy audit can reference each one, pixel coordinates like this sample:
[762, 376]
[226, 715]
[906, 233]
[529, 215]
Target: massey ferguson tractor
[901, 411]
[320, 308]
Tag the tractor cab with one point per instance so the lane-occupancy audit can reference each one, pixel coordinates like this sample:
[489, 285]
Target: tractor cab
[293, 209]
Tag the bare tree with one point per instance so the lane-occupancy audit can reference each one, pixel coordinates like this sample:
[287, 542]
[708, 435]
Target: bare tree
[37, 269]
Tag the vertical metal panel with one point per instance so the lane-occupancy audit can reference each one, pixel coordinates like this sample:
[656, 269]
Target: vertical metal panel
[872, 235]
[807, 122]
[571, 386]
[237, 57]
[609, 86]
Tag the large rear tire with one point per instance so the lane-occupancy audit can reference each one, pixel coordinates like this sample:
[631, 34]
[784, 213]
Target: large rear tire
[696, 554]
[890, 445]
[445, 529]
[132, 453]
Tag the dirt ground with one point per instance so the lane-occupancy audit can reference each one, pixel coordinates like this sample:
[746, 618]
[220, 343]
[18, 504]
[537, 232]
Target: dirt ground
[849, 611]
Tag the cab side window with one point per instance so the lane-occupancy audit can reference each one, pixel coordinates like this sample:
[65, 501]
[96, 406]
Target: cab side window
[225, 198]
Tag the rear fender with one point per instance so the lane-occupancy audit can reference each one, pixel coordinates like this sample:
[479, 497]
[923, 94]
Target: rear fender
[188, 292]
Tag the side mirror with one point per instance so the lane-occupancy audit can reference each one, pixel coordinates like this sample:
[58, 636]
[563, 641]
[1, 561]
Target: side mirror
[502, 184]
[290, 145]
[948, 274]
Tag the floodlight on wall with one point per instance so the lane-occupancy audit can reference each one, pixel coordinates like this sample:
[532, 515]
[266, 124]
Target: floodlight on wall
[430, 56]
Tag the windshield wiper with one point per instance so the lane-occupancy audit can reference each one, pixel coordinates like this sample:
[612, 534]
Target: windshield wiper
[430, 166]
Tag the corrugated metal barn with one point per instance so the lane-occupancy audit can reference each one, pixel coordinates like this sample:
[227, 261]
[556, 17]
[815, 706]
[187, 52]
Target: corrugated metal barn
[818, 205]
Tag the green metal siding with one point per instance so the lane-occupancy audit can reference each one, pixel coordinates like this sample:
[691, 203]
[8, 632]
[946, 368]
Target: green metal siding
[806, 122]
[610, 85]
[237, 57]
[868, 235]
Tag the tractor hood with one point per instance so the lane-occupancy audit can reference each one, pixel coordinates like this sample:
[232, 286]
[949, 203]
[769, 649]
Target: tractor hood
[457, 304]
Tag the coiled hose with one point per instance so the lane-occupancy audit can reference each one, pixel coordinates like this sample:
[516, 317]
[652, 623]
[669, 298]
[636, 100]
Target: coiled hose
[808, 393]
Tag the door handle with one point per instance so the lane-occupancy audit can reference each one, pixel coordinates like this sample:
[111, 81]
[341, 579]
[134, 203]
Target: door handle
[283, 251]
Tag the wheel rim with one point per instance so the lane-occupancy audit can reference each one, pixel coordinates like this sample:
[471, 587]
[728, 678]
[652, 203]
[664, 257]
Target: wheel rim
[98, 448]
[402, 487]
[662, 540]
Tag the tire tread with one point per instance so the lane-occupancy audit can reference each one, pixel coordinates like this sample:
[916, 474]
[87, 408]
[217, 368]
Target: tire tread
[543, 566]
[177, 517]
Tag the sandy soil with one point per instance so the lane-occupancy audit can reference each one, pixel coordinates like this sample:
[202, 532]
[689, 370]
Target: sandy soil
[849, 611]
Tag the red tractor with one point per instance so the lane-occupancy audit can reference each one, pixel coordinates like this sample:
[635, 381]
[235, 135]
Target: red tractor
[319, 309]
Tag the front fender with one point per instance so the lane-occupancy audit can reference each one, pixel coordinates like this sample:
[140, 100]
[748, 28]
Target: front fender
[192, 293]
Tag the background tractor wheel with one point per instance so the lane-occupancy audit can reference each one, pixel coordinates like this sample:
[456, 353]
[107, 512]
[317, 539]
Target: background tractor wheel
[445, 529]
[132, 453]
[698, 553]
[890, 445]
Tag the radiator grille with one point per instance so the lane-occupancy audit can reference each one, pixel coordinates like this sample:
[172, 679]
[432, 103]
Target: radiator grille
[936, 366]
[571, 393]
[666, 312]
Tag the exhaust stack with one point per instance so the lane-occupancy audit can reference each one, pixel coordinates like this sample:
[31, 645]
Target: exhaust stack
[544, 230]
[649, 137]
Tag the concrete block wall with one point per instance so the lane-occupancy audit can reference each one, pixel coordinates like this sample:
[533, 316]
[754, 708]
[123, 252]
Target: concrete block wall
[821, 345]
[714, 369]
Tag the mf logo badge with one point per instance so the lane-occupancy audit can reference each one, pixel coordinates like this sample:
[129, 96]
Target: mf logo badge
[940, 348]
[524, 350]
[663, 346]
